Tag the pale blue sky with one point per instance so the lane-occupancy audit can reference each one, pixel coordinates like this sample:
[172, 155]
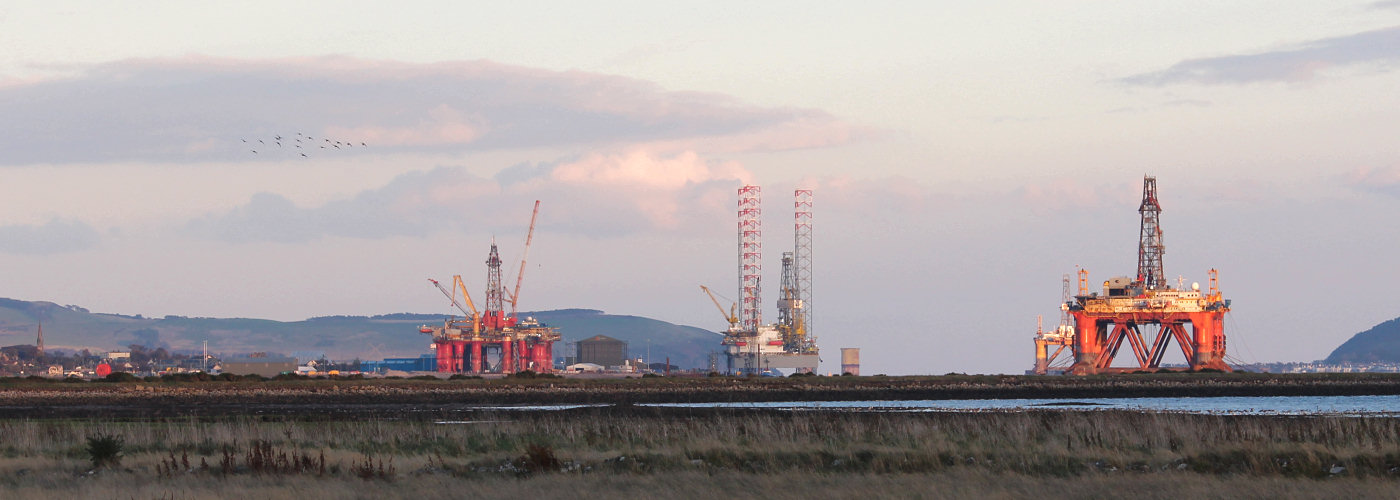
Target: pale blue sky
[965, 155]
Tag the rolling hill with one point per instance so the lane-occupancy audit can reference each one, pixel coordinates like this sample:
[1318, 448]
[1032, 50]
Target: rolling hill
[339, 337]
[1380, 344]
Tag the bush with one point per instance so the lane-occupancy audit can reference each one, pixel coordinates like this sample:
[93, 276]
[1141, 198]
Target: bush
[105, 450]
[461, 376]
[121, 377]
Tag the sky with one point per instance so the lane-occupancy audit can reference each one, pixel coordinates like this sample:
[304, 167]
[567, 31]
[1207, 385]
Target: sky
[964, 156]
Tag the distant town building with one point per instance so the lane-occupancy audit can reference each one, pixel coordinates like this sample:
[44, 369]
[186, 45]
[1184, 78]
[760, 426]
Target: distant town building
[264, 365]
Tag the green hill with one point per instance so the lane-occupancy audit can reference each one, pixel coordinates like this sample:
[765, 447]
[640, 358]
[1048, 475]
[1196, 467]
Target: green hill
[1380, 344]
[339, 337]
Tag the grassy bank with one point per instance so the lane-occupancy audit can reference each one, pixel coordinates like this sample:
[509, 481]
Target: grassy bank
[705, 454]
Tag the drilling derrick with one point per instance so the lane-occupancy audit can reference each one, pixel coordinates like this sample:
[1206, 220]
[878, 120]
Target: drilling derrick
[790, 309]
[750, 345]
[1150, 247]
[1146, 312]
[493, 341]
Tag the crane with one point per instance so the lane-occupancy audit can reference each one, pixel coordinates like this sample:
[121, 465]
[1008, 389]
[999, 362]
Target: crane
[730, 316]
[459, 285]
[519, 277]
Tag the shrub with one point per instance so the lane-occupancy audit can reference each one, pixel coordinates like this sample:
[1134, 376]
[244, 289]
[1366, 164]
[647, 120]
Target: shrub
[105, 449]
[121, 377]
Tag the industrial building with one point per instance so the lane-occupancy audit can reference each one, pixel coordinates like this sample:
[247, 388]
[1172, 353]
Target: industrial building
[602, 350]
[423, 363]
[492, 340]
[750, 346]
[1095, 325]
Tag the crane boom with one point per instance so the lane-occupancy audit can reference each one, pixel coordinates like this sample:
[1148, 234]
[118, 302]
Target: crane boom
[519, 277]
[732, 318]
[449, 295]
[461, 286]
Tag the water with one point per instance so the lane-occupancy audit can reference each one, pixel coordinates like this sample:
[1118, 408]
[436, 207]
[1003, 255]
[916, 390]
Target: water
[1369, 406]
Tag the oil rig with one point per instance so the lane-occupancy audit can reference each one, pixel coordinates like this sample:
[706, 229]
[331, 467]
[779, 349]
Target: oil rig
[492, 340]
[750, 346]
[1095, 325]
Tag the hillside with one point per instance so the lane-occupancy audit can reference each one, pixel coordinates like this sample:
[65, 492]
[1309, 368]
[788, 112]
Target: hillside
[339, 337]
[1380, 344]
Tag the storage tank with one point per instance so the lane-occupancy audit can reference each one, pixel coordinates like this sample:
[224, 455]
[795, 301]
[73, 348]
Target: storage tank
[850, 360]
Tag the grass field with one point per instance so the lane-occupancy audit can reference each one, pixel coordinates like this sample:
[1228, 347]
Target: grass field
[713, 454]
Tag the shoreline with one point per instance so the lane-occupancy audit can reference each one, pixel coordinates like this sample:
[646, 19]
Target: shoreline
[350, 398]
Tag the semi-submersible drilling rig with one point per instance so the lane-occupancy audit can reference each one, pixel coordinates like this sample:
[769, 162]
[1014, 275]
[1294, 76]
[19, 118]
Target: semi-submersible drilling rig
[492, 340]
[1095, 325]
[751, 347]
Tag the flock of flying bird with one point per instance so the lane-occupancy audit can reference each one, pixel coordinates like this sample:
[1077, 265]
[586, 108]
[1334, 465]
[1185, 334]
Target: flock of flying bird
[301, 144]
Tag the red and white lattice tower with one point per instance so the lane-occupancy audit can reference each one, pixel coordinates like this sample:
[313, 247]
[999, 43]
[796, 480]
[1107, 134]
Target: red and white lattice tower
[750, 258]
[802, 259]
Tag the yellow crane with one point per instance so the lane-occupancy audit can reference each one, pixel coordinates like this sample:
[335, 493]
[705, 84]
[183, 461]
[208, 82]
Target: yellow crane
[730, 316]
[459, 286]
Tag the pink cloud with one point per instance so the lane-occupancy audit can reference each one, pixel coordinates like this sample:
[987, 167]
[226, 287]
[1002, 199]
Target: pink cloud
[136, 109]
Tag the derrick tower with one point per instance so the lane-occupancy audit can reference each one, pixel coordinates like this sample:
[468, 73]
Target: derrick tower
[495, 299]
[1150, 247]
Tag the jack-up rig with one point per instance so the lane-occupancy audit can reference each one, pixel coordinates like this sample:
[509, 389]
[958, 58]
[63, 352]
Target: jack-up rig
[492, 341]
[1102, 322]
[750, 346]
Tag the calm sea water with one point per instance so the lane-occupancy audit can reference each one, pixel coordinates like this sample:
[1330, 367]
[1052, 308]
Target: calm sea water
[1371, 406]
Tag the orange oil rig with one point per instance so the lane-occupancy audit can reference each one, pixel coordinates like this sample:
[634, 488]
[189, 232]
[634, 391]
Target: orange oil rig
[492, 340]
[1094, 326]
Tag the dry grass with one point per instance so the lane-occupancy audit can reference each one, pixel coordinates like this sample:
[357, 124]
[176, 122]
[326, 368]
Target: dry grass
[706, 454]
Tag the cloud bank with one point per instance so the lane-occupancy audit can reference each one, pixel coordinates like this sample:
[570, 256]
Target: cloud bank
[1300, 63]
[57, 236]
[197, 109]
[598, 195]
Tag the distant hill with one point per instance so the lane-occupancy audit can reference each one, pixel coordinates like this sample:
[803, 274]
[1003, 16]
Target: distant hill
[1379, 344]
[339, 337]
